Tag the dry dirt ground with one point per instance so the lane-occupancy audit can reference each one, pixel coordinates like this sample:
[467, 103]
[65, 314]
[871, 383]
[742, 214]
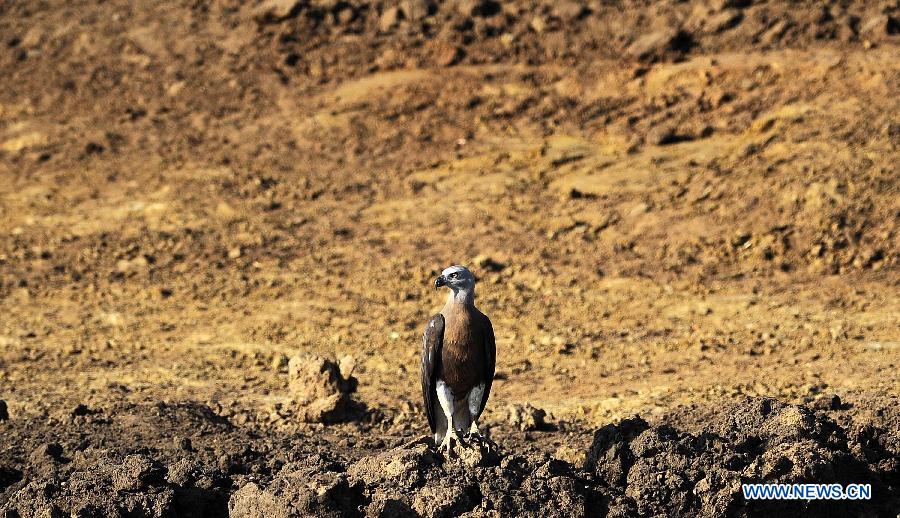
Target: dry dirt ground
[685, 211]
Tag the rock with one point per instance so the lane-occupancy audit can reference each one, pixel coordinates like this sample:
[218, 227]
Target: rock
[345, 15]
[447, 54]
[276, 10]
[570, 11]
[470, 8]
[655, 44]
[33, 37]
[664, 135]
[225, 211]
[416, 10]
[724, 20]
[525, 417]
[4, 412]
[389, 19]
[879, 26]
[24, 141]
[329, 409]
[313, 376]
[321, 391]
[346, 366]
[279, 362]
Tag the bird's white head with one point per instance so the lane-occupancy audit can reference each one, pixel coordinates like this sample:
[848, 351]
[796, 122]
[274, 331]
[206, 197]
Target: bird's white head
[460, 281]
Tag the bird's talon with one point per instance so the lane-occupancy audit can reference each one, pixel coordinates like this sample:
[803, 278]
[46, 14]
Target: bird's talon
[449, 444]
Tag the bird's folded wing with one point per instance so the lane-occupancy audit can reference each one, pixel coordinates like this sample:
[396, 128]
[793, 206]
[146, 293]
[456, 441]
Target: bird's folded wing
[432, 341]
[490, 362]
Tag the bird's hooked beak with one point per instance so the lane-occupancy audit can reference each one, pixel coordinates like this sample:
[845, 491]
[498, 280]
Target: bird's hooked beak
[440, 281]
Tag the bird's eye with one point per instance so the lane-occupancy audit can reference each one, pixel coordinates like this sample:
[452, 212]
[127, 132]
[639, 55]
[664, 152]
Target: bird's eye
[454, 275]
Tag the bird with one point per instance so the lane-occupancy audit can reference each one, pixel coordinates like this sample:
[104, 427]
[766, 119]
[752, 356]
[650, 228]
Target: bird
[459, 358]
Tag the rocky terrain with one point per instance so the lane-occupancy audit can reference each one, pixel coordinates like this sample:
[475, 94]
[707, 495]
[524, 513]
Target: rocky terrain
[220, 222]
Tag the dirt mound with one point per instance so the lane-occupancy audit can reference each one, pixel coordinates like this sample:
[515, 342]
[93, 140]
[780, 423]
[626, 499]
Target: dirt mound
[94, 483]
[315, 487]
[321, 390]
[413, 480]
[669, 472]
[525, 417]
[631, 467]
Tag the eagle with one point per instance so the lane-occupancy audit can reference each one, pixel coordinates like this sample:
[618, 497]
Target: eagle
[459, 357]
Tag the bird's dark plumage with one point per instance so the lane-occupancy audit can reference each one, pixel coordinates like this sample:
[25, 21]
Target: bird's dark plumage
[463, 351]
[431, 354]
[490, 363]
[463, 356]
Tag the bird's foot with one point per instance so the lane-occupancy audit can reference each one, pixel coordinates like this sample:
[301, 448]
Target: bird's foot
[450, 443]
[481, 441]
[474, 434]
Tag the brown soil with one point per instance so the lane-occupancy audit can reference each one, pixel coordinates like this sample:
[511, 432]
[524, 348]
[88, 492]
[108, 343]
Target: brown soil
[681, 210]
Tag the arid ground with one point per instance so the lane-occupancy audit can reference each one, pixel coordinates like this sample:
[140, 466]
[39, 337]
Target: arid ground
[685, 211]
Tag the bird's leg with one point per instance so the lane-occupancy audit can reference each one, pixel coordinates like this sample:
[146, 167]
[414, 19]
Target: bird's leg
[475, 398]
[451, 440]
[480, 440]
[474, 433]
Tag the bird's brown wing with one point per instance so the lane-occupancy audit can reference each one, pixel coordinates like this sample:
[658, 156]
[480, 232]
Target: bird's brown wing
[490, 362]
[432, 341]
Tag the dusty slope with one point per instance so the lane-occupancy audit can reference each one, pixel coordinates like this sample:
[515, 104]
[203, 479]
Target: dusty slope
[670, 206]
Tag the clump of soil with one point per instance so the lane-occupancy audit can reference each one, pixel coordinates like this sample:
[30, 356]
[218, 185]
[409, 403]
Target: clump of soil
[99, 482]
[316, 486]
[632, 468]
[666, 471]
[526, 417]
[321, 389]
